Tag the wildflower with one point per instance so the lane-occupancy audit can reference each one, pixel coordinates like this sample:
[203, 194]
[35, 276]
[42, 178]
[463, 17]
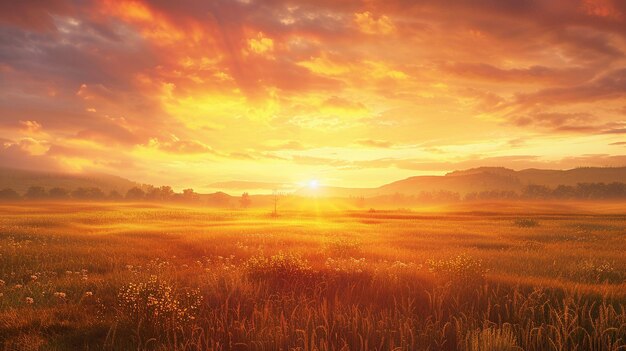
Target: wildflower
[18, 286]
[30, 300]
[33, 277]
[2, 282]
[88, 293]
[60, 295]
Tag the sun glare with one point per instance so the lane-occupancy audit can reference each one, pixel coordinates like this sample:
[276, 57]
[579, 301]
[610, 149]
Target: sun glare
[314, 184]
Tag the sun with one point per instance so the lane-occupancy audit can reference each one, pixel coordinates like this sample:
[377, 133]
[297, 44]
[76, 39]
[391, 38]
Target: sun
[314, 184]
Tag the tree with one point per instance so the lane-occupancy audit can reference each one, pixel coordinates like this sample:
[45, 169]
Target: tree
[245, 200]
[564, 192]
[135, 194]
[190, 196]
[359, 201]
[35, 193]
[9, 194]
[58, 193]
[533, 191]
[162, 193]
[114, 195]
[166, 193]
[88, 194]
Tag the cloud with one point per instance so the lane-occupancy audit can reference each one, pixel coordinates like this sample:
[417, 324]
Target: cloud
[529, 75]
[30, 127]
[554, 120]
[287, 145]
[368, 23]
[246, 185]
[374, 143]
[182, 146]
[610, 85]
[252, 82]
[339, 103]
[33, 15]
[27, 154]
[568, 122]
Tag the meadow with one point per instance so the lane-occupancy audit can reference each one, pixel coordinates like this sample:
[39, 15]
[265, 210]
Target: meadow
[155, 277]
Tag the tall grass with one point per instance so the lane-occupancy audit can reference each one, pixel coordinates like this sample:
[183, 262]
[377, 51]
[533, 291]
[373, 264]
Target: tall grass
[176, 279]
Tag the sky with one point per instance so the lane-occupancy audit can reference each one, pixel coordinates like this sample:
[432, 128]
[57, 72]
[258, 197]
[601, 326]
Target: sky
[209, 93]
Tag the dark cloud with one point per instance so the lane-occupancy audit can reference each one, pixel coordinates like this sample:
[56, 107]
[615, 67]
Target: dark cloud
[610, 85]
[35, 15]
[567, 123]
[534, 74]
[18, 155]
[554, 120]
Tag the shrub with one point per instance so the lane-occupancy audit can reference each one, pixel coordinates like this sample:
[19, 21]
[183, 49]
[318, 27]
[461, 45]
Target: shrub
[462, 269]
[346, 265]
[526, 223]
[342, 248]
[601, 272]
[281, 266]
[157, 305]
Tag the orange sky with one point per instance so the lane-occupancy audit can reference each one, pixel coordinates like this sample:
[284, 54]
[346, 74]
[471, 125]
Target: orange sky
[353, 93]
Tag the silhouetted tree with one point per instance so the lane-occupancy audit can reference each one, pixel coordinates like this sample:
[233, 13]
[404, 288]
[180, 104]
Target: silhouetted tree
[359, 201]
[114, 195]
[245, 200]
[9, 194]
[88, 194]
[221, 199]
[189, 195]
[616, 190]
[425, 196]
[135, 194]
[166, 192]
[58, 193]
[533, 191]
[163, 193]
[491, 195]
[35, 193]
[564, 192]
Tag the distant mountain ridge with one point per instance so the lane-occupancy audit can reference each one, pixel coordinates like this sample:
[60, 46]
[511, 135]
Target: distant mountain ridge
[462, 181]
[20, 180]
[483, 179]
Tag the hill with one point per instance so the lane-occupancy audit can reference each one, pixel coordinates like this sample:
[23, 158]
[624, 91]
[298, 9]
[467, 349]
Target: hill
[20, 180]
[481, 179]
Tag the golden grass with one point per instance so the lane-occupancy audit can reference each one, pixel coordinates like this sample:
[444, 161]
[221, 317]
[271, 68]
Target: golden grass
[146, 277]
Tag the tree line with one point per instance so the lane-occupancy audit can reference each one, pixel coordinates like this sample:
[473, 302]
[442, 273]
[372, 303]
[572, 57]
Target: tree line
[150, 193]
[581, 191]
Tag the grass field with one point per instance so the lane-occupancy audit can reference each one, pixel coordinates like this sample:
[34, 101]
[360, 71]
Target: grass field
[147, 277]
